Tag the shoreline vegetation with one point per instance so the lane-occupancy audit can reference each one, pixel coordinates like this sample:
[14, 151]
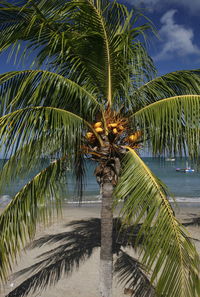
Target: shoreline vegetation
[87, 274]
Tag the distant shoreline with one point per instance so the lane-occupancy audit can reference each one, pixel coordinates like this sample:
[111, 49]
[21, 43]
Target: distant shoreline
[183, 201]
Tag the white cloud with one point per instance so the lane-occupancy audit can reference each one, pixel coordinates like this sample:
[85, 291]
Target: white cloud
[176, 39]
[193, 6]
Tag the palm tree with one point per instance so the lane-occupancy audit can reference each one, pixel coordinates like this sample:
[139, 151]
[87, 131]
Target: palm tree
[95, 95]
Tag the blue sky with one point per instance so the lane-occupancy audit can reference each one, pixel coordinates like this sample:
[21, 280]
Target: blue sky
[178, 25]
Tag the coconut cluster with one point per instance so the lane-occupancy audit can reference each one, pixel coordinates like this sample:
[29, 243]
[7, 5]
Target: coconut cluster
[115, 128]
[98, 127]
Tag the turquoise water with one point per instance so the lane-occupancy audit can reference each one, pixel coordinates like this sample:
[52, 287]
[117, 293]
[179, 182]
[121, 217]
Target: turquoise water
[180, 184]
[184, 185]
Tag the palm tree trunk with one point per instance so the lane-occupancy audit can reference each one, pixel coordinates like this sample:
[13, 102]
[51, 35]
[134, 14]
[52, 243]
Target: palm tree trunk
[106, 174]
[106, 255]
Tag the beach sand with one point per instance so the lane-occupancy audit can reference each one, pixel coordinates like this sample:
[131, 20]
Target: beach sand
[84, 281]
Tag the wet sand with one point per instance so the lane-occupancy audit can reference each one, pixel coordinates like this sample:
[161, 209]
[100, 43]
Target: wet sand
[84, 281]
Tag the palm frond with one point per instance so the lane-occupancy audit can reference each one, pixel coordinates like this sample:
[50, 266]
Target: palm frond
[24, 158]
[88, 41]
[166, 250]
[20, 166]
[37, 22]
[19, 89]
[171, 84]
[32, 133]
[33, 203]
[21, 130]
[24, 126]
[132, 274]
[34, 156]
[140, 69]
[171, 124]
[112, 21]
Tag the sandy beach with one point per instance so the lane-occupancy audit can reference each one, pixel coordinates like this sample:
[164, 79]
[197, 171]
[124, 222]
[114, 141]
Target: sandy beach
[84, 281]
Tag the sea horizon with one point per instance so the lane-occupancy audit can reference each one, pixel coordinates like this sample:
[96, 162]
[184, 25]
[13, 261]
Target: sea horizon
[185, 187]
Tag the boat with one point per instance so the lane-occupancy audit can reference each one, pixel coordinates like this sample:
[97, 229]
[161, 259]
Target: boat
[187, 169]
[170, 159]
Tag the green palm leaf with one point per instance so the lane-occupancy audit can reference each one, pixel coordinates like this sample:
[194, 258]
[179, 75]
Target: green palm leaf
[118, 51]
[171, 84]
[171, 124]
[26, 125]
[96, 29]
[37, 22]
[28, 158]
[166, 251]
[19, 89]
[33, 203]
[32, 133]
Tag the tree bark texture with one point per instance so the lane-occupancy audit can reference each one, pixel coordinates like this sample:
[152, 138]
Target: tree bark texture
[106, 255]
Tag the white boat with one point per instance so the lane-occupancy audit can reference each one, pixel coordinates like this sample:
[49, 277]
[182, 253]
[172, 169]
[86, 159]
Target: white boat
[170, 159]
[187, 169]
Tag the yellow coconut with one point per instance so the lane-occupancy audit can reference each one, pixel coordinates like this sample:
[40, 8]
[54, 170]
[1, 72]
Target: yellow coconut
[97, 124]
[112, 125]
[133, 138]
[121, 128]
[99, 130]
[89, 135]
[115, 131]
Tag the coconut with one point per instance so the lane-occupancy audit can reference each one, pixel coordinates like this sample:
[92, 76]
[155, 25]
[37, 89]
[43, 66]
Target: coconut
[99, 130]
[112, 125]
[121, 128]
[97, 124]
[89, 135]
[133, 137]
[115, 131]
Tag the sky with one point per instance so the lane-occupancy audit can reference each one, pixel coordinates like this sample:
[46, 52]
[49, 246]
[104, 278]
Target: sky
[178, 26]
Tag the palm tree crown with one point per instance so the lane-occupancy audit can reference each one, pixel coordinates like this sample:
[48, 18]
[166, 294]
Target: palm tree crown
[93, 94]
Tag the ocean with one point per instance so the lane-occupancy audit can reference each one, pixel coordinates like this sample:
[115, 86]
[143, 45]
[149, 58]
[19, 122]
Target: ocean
[184, 186]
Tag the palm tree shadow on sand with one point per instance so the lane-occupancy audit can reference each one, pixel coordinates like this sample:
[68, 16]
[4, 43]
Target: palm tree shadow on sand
[76, 246]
